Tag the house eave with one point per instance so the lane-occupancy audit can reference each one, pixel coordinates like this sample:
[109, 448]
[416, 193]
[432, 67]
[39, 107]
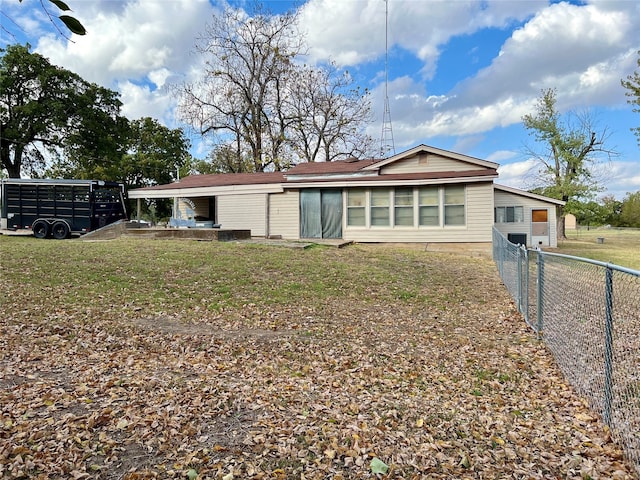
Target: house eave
[380, 181]
[206, 191]
[523, 193]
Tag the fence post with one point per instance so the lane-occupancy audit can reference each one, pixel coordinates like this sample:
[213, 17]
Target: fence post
[500, 256]
[608, 347]
[540, 292]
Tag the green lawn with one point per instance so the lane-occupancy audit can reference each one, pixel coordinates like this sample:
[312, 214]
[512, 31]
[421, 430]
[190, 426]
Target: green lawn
[620, 246]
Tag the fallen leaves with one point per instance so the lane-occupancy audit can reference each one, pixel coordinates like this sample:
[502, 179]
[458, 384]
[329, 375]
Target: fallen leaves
[444, 382]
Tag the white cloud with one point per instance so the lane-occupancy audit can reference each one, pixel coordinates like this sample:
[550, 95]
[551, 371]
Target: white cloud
[501, 155]
[583, 51]
[133, 47]
[622, 177]
[518, 174]
[353, 32]
[140, 101]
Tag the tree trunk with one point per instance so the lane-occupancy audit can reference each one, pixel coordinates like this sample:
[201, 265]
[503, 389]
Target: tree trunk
[13, 168]
[560, 224]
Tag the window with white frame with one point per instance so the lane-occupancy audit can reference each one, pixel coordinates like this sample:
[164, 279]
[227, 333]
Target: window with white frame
[380, 207]
[403, 207]
[429, 206]
[357, 207]
[509, 214]
[454, 205]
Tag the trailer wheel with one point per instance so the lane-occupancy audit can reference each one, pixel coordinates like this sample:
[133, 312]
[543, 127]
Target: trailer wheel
[40, 229]
[60, 230]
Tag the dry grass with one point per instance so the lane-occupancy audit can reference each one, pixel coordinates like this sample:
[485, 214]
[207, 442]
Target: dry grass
[173, 359]
[620, 246]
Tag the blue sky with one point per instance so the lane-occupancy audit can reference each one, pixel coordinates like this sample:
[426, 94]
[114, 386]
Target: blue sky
[461, 73]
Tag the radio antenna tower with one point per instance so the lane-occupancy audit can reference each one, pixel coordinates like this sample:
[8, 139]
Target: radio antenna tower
[386, 139]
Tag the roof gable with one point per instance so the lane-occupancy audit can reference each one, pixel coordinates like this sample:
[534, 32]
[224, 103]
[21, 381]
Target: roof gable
[425, 149]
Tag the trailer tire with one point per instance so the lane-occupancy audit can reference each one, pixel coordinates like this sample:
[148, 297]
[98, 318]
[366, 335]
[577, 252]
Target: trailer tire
[40, 229]
[60, 230]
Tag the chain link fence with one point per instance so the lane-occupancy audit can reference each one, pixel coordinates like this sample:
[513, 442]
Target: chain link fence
[588, 314]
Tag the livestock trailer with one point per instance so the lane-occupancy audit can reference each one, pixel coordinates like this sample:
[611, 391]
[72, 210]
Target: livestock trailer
[60, 208]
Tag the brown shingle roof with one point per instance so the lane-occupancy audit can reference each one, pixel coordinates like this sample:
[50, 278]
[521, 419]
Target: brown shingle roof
[222, 180]
[340, 166]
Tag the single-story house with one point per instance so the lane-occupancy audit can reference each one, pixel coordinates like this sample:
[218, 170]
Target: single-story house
[423, 195]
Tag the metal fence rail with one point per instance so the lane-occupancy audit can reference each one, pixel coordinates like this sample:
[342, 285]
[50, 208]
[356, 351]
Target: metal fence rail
[588, 314]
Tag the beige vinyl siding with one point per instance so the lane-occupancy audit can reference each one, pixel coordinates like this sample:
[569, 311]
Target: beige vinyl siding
[507, 199]
[243, 212]
[284, 214]
[202, 207]
[429, 163]
[477, 228]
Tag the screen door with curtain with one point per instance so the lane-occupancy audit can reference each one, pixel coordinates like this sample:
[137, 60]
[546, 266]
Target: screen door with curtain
[320, 213]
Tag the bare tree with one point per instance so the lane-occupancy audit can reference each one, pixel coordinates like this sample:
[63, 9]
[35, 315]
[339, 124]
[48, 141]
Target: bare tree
[330, 115]
[256, 98]
[570, 150]
[241, 92]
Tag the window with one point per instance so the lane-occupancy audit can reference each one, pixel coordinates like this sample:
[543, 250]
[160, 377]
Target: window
[539, 216]
[429, 205]
[403, 207]
[436, 206]
[380, 207]
[509, 215]
[356, 208]
[454, 205]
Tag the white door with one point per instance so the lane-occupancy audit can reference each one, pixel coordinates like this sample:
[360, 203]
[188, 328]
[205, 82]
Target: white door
[540, 227]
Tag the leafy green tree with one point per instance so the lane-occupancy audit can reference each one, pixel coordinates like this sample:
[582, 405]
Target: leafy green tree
[632, 84]
[46, 109]
[154, 155]
[630, 212]
[569, 148]
[143, 153]
[612, 208]
[589, 213]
